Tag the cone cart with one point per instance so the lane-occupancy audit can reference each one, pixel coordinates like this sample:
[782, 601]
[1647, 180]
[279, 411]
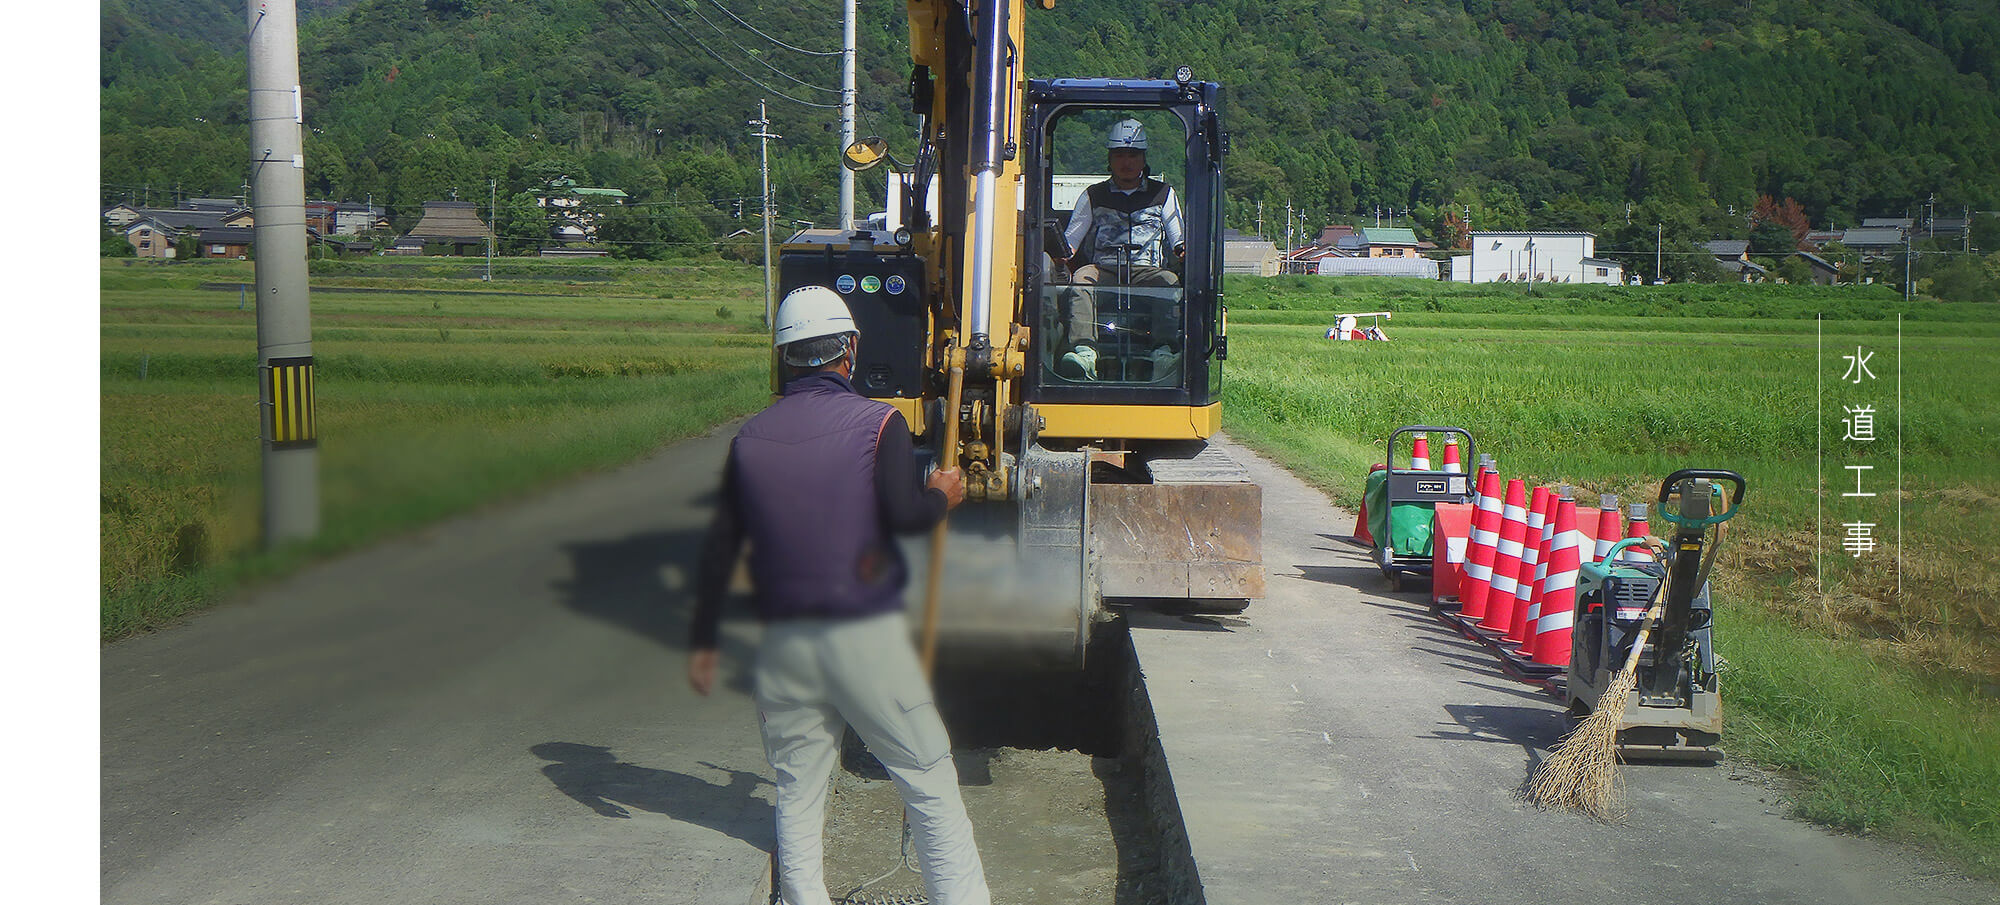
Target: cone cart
[1400, 502]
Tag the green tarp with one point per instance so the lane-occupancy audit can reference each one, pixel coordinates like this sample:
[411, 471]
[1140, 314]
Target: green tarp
[1405, 526]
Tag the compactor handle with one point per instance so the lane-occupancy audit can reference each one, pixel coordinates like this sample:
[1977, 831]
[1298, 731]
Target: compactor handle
[1675, 480]
[1471, 451]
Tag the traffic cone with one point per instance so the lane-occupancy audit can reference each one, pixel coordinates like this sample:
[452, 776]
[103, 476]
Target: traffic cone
[1452, 465]
[1534, 613]
[1586, 529]
[1611, 527]
[1551, 646]
[1420, 454]
[1531, 554]
[1637, 527]
[1361, 534]
[1507, 558]
[1479, 559]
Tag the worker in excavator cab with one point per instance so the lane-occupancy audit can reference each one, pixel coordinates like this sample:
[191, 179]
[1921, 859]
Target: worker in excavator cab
[1124, 231]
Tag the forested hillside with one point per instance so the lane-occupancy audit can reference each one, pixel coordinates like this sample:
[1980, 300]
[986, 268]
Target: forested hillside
[1589, 114]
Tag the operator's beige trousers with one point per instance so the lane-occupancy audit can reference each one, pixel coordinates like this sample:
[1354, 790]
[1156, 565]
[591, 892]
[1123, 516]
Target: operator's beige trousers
[817, 676]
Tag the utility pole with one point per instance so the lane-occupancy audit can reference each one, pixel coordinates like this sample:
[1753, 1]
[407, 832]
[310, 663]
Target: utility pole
[1288, 237]
[764, 136]
[1260, 218]
[1659, 245]
[284, 309]
[847, 98]
[1908, 250]
[492, 220]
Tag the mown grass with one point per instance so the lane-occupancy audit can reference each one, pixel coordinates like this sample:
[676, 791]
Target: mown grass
[429, 404]
[1876, 678]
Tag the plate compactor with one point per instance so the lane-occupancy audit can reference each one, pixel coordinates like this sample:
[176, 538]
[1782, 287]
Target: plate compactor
[1658, 597]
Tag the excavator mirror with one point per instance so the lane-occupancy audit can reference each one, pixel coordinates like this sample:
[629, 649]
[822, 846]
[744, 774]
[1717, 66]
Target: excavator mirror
[866, 154]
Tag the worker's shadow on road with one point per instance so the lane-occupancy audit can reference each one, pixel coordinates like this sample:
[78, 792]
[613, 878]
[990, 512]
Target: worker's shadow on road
[611, 787]
[645, 583]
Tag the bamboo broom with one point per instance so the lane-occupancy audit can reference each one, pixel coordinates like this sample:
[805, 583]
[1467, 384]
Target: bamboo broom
[1581, 772]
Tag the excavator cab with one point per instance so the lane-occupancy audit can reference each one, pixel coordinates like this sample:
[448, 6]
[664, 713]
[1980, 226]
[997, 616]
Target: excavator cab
[1124, 326]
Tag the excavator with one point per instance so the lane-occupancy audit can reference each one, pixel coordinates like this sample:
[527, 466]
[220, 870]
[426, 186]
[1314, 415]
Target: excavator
[1087, 481]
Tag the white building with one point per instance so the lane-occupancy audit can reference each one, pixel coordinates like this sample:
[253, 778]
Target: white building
[1543, 257]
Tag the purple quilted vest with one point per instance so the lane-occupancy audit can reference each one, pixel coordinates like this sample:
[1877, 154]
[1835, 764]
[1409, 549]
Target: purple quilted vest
[805, 479]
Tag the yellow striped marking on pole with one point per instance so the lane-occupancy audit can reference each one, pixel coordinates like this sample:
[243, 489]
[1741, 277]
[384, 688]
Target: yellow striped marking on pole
[289, 382]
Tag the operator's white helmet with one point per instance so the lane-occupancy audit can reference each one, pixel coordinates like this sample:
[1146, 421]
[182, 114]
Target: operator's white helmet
[1126, 134]
[810, 312]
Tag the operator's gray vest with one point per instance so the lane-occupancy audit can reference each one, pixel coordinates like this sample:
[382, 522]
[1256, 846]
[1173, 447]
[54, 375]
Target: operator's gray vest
[1128, 229]
[805, 472]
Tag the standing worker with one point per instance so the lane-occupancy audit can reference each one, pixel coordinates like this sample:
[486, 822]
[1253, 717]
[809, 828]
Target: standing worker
[818, 483]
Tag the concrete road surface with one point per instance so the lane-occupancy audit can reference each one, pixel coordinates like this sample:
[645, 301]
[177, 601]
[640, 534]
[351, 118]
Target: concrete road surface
[1340, 745]
[492, 711]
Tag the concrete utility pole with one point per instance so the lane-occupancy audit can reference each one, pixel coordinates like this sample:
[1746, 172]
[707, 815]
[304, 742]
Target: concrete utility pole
[492, 220]
[764, 136]
[1659, 245]
[1288, 237]
[847, 98]
[284, 310]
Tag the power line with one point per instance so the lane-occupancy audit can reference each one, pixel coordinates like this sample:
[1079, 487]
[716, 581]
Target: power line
[732, 66]
[753, 29]
[758, 57]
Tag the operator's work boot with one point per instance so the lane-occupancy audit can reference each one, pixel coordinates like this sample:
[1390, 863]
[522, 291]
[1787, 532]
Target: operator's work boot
[1080, 364]
[1166, 364]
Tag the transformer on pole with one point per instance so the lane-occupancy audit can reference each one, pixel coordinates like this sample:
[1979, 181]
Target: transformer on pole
[284, 311]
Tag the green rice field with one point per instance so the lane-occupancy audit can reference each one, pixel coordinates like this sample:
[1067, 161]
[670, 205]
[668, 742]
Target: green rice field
[436, 393]
[1875, 678]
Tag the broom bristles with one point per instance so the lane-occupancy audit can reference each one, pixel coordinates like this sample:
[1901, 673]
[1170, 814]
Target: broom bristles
[1581, 772]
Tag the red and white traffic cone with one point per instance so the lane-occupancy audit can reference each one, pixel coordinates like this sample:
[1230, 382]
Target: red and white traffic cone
[1637, 527]
[1361, 533]
[1507, 558]
[1452, 464]
[1551, 646]
[1420, 453]
[1534, 612]
[1610, 528]
[1479, 559]
[1531, 555]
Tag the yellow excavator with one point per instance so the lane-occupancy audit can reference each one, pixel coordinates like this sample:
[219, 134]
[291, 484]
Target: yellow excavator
[1085, 480]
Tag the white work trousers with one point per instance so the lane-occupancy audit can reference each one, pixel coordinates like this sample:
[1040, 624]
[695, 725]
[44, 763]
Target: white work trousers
[817, 676]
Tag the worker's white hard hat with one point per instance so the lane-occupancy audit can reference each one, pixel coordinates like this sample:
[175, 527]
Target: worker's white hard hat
[810, 312]
[1127, 134]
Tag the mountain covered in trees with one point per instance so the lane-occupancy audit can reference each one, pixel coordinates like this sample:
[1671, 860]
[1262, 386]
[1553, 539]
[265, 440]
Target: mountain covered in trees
[1553, 114]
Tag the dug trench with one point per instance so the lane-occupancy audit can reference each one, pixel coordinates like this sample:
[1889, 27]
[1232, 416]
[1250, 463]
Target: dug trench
[1064, 779]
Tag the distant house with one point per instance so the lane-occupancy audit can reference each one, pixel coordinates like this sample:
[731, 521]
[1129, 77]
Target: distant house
[319, 216]
[1946, 226]
[350, 219]
[1248, 254]
[569, 203]
[1873, 241]
[1329, 237]
[447, 228]
[222, 242]
[151, 239]
[1733, 257]
[1902, 223]
[1389, 241]
[1534, 256]
[1824, 272]
[121, 215]
[1729, 251]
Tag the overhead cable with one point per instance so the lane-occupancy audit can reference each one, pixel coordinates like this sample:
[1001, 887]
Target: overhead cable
[739, 20]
